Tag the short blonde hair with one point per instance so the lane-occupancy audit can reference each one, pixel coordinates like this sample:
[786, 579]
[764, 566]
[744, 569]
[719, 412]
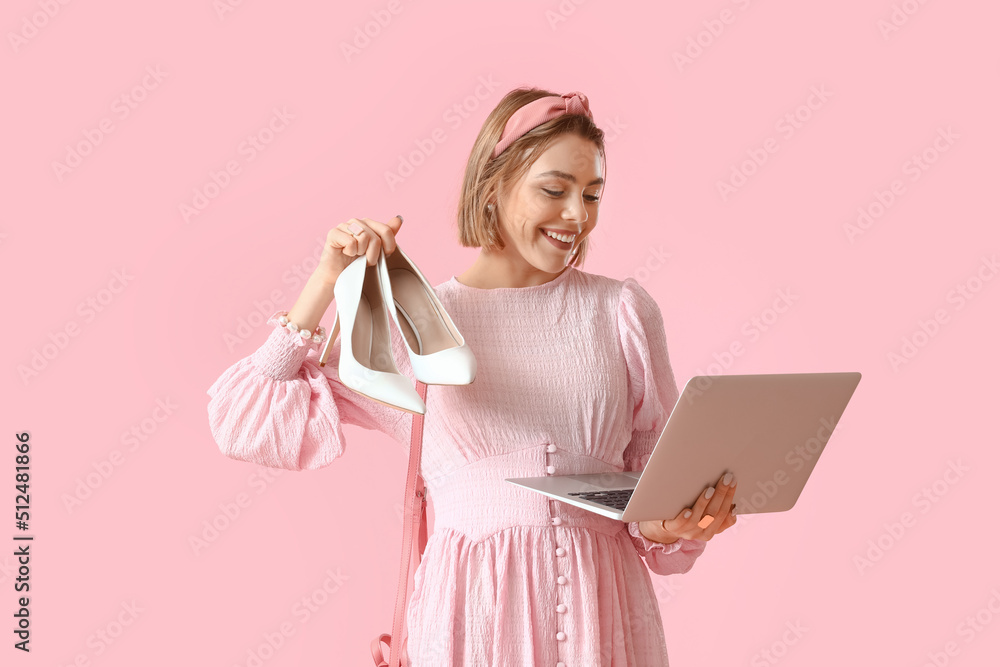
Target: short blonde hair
[488, 178]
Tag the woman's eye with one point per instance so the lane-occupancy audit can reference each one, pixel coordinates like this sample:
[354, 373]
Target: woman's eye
[590, 198]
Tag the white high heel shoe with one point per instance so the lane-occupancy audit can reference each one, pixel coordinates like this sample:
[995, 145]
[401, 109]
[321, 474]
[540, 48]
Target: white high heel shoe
[437, 350]
[366, 364]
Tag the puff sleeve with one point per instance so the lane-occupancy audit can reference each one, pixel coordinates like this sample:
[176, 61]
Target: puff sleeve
[278, 408]
[654, 394]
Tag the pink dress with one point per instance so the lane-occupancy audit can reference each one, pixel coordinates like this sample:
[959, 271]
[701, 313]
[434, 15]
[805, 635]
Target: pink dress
[573, 377]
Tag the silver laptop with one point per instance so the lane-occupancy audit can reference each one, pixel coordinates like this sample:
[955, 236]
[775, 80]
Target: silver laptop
[768, 430]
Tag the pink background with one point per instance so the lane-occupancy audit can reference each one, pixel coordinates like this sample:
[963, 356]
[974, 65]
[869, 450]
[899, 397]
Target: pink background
[160, 304]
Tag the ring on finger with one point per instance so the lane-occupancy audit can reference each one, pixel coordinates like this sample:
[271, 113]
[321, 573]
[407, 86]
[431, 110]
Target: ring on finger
[706, 520]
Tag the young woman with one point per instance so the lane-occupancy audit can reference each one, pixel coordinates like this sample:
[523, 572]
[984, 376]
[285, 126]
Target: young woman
[573, 377]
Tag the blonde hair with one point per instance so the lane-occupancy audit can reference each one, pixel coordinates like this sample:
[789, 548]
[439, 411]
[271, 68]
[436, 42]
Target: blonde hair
[486, 177]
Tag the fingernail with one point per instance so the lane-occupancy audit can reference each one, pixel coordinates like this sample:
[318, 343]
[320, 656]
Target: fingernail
[400, 217]
[709, 492]
[728, 479]
[687, 514]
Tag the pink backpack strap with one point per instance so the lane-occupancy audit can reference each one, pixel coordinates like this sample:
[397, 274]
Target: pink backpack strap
[414, 524]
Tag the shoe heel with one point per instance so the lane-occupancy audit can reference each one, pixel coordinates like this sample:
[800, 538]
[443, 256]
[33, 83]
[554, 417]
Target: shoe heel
[329, 341]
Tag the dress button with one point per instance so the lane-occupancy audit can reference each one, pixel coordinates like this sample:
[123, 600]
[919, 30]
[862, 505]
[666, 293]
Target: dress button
[560, 551]
[556, 521]
[560, 635]
[561, 609]
[550, 470]
[551, 449]
[561, 579]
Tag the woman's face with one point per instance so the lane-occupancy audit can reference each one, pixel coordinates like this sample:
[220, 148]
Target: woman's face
[560, 193]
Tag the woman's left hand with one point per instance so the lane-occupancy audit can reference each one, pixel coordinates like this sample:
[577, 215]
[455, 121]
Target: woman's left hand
[718, 505]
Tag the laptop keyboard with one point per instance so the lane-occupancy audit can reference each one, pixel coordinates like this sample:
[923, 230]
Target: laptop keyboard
[616, 498]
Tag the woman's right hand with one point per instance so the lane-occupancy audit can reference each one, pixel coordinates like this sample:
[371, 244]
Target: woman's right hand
[342, 247]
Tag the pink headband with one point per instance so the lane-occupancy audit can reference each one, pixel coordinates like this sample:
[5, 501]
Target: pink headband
[540, 111]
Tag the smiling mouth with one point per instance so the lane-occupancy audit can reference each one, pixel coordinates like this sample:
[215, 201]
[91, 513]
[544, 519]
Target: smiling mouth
[562, 245]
